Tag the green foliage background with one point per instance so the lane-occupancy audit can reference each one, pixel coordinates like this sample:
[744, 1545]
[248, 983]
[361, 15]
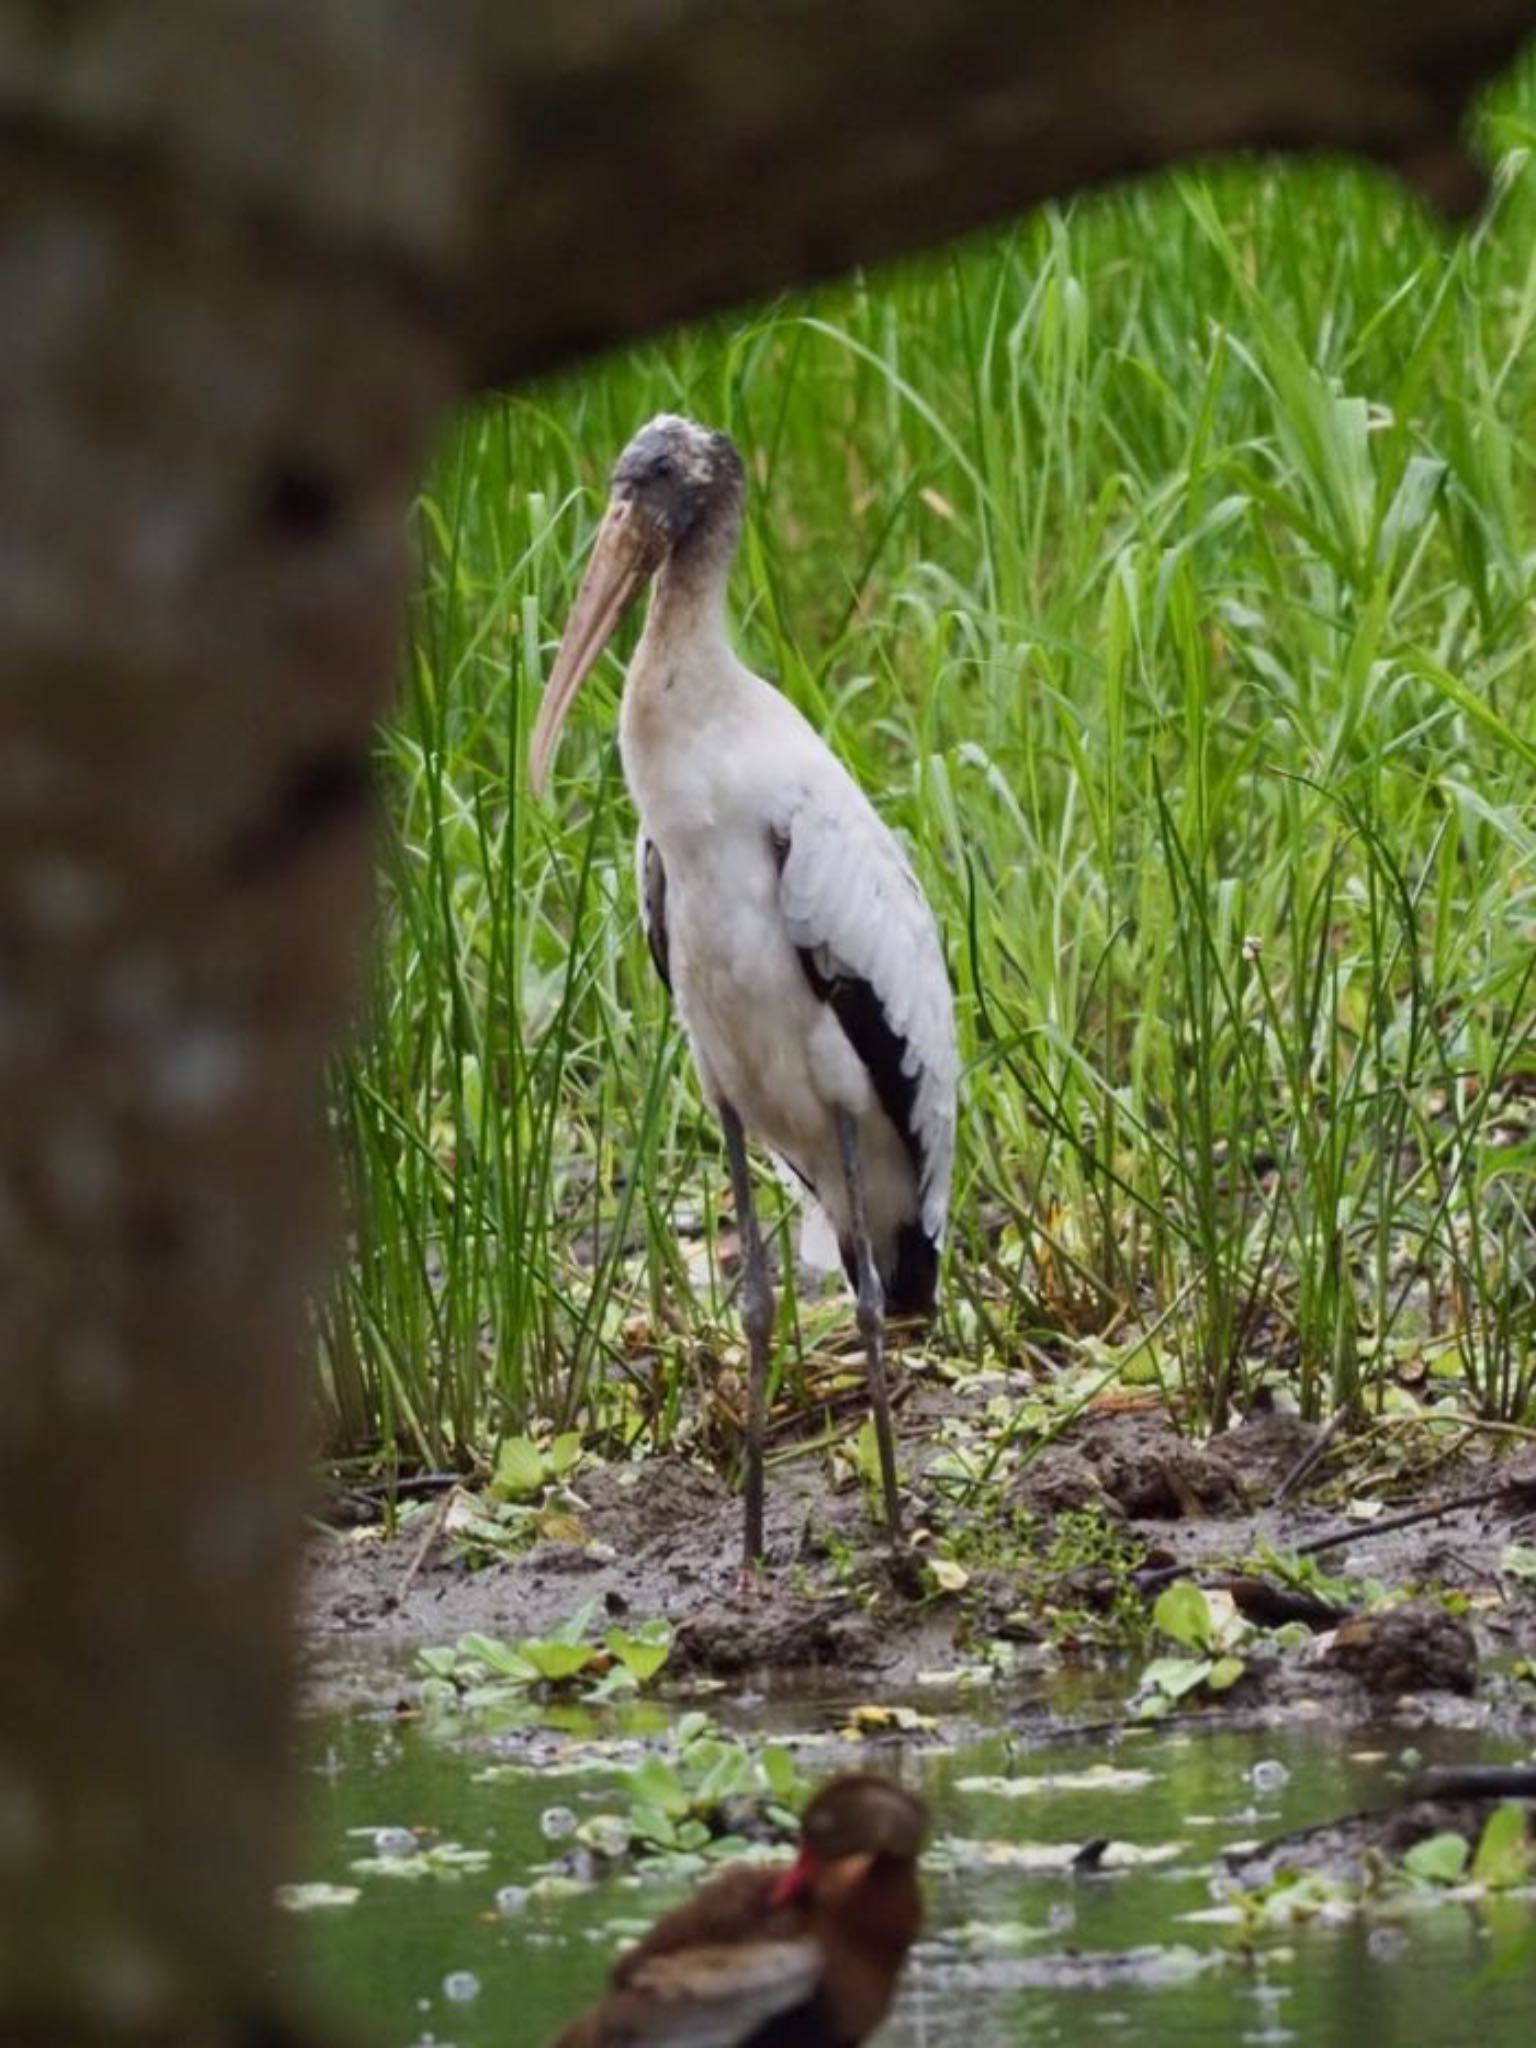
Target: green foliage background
[1163, 568]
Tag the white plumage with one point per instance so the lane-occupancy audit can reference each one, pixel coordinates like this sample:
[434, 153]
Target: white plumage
[804, 959]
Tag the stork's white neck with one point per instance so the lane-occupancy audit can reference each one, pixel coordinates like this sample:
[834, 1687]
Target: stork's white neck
[688, 608]
[683, 685]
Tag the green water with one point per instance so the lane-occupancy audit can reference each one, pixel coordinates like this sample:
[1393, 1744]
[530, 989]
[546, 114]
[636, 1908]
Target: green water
[1103, 1958]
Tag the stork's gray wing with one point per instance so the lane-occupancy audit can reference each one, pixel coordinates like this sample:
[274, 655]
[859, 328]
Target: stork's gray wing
[870, 948]
[651, 883]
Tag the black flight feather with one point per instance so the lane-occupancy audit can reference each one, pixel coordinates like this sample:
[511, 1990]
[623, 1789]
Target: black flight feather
[655, 883]
[911, 1274]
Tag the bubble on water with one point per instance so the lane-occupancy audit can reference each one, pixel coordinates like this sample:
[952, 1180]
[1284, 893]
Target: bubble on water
[511, 1900]
[1410, 1759]
[608, 1835]
[1061, 1917]
[394, 1842]
[1386, 1944]
[557, 1823]
[460, 1986]
[1269, 1775]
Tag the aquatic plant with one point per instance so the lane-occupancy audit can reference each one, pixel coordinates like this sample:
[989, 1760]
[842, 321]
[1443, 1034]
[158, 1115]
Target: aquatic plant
[1165, 566]
[478, 1672]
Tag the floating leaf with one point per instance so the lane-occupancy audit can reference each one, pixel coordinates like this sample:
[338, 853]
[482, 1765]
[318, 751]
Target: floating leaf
[1225, 1673]
[447, 1859]
[643, 1653]
[998, 1855]
[1503, 1856]
[500, 1658]
[778, 1767]
[1094, 1778]
[616, 1683]
[655, 1783]
[556, 1661]
[1173, 1677]
[575, 1626]
[730, 1773]
[564, 1453]
[1183, 1614]
[520, 1469]
[1438, 1859]
[312, 1898]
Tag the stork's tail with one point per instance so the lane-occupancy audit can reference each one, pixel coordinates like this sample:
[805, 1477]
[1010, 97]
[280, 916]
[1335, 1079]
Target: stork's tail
[910, 1276]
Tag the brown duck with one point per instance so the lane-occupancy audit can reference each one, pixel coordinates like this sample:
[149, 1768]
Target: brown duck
[806, 1957]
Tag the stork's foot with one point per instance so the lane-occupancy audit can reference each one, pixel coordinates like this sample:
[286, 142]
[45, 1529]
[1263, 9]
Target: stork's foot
[751, 1584]
[904, 1568]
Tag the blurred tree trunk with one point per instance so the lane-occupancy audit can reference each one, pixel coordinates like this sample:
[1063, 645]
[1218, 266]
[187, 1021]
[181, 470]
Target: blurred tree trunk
[250, 251]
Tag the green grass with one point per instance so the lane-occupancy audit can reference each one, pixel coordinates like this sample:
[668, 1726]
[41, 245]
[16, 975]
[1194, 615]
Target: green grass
[1163, 568]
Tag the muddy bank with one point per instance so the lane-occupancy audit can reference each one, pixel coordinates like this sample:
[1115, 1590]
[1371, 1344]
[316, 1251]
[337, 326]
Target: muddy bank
[1043, 1557]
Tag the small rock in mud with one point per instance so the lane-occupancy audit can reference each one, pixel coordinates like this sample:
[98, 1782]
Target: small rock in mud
[1265, 1449]
[1154, 1474]
[1417, 1647]
[632, 1506]
[778, 1632]
[1061, 1481]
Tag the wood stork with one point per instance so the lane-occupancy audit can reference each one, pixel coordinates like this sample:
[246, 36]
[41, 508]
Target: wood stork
[782, 914]
[808, 1953]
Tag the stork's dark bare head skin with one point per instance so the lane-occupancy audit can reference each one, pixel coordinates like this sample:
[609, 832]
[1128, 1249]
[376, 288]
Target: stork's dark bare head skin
[685, 481]
[676, 500]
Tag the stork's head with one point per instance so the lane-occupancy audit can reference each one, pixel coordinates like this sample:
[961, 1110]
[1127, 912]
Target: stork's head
[675, 500]
[850, 1824]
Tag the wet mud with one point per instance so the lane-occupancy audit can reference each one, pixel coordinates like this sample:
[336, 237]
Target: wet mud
[662, 1537]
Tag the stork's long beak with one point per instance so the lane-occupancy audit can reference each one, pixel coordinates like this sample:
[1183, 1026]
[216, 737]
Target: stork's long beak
[623, 556]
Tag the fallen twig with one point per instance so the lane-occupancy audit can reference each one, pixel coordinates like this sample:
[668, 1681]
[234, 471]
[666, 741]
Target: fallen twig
[1473, 1781]
[433, 1530]
[1515, 1487]
[1309, 1458]
[1427, 1511]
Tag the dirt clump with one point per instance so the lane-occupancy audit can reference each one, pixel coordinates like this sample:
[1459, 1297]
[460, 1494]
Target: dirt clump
[1136, 1465]
[785, 1633]
[1418, 1647]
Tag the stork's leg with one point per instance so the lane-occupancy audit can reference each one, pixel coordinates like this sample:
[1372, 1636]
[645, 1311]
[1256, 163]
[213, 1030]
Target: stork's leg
[757, 1320]
[871, 1311]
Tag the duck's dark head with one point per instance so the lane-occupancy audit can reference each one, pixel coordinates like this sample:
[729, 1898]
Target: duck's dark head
[851, 1823]
[675, 501]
